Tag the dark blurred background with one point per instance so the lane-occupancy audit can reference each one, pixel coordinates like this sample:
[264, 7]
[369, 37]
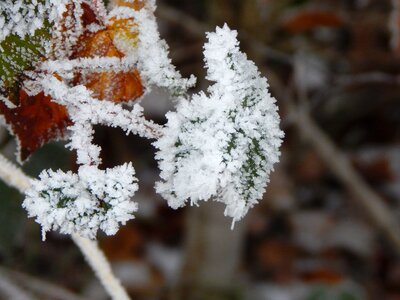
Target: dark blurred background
[328, 227]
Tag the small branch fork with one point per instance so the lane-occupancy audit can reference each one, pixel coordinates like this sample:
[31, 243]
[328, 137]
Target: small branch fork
[15, 177]
[86, 111]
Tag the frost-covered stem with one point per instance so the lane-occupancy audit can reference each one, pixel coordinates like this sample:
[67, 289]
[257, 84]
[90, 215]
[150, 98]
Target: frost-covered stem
[66, 67]
[86, 108]
[100, 265]
[13, 176]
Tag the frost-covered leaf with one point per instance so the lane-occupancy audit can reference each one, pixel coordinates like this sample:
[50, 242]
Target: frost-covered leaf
[114, 86]
[85, 202]
[35, 121]
[221, 146]
[18, 55]
[24, 38]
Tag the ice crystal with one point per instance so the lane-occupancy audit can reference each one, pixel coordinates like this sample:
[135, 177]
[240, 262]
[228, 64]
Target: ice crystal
[24, 17]
[85, 202]
[221, 146]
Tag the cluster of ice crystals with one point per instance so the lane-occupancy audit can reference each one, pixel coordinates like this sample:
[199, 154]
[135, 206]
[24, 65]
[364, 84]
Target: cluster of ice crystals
[24, 17]
[223, 145]
[153, 63]
[85, 202]
[92, 199]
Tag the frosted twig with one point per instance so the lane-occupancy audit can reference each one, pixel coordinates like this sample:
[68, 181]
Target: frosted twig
[65, 67]
[94, 258]
[84, 107]
[13, 176]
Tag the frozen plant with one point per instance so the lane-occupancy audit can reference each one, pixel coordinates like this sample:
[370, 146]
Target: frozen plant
[223, 145]
[220, 145]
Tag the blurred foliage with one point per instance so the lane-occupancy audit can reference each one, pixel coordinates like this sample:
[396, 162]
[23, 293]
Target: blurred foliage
[12, 218]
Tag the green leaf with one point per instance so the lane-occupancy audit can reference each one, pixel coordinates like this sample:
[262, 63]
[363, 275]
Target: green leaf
[18, 55]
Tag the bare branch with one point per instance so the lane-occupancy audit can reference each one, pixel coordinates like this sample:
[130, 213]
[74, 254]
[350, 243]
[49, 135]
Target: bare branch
[41, 287]
[339, 164]
[10, 290]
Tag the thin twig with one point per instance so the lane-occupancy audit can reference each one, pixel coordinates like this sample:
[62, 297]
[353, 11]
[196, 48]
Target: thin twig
[41, 287]
[11, 291]
[96, 258]
[13, 176]
[341, 167]
[339, 164]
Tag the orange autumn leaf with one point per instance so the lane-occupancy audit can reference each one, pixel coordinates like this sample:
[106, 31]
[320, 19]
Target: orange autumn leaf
[308, 19]
[35, 121]
[113, 86]
[136, 4]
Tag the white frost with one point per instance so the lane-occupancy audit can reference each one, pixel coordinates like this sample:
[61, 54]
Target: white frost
[85, 202]
[154, 65]
[221, 146]
[22, 17]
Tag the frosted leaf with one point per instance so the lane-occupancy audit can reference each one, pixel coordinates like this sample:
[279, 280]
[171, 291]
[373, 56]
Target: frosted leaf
[85, 202]
[153, 63]
[93, 199]
[223, 145]
[25, 38]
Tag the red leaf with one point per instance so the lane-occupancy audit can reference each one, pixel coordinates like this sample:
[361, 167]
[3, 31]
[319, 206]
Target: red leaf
[35, 121]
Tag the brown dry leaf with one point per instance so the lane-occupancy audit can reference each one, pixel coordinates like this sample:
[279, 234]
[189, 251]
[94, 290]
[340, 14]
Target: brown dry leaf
[277, 258]
[35, 121]
[309, 19]
[127, 244]
[322, 275]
